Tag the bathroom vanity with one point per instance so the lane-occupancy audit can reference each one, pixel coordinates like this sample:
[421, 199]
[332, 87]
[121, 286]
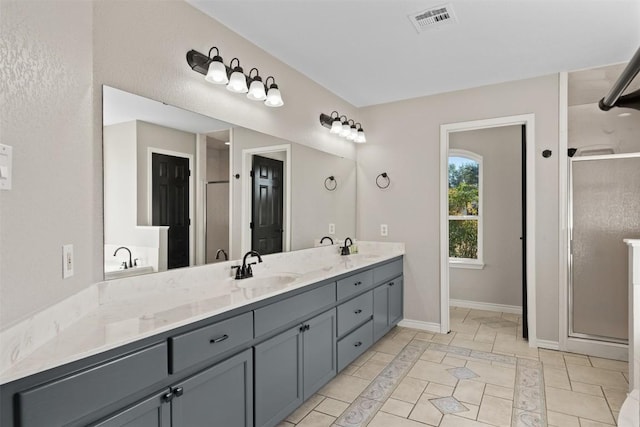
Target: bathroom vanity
[240, 353]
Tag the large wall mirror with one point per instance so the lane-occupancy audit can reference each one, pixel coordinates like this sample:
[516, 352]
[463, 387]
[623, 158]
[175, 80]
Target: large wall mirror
[182, 189]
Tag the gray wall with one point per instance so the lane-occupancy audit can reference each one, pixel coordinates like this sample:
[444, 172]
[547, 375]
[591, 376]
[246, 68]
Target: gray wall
[500, 281]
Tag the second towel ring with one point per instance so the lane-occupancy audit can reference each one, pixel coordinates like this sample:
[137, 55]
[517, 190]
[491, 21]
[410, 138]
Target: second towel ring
[384, 182]
[328, 181]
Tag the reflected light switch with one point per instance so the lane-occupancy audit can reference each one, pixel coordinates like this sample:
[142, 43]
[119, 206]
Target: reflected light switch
[5, 167]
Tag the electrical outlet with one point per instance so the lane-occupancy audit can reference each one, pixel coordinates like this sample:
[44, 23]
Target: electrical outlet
[67, 261]
[332, 229]
[384, 230]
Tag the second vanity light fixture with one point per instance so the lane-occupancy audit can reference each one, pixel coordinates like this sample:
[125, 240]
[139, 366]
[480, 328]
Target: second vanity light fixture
[344, 127]
[216, 72]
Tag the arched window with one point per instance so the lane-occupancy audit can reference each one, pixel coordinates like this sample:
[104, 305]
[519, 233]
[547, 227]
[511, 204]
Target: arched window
[465, 208]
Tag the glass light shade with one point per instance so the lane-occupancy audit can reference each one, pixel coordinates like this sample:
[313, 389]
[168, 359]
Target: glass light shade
[217, 73]
[256, 91]
[336, 126]
[274, 99]
[353, 134]
[360, 139]
[237, 83]
[346, 130]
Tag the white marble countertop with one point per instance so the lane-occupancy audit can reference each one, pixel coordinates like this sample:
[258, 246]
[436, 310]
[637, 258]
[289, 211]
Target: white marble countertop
[118, 312]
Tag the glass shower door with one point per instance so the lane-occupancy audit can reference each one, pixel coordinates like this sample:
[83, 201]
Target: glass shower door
[605, 209]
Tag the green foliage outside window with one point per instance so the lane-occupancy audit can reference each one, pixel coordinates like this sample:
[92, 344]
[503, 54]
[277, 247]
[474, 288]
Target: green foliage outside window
[463, 201]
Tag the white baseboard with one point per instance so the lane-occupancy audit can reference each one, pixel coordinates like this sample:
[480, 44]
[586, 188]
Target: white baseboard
[549, 345]
[512, 309]
[423, 326]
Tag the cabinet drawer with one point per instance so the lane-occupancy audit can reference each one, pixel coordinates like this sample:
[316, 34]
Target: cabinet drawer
[354, 344]
[65, 400]
[207, 342]
[387, 271]
[288, 310]
[355, 312]
[353, 284]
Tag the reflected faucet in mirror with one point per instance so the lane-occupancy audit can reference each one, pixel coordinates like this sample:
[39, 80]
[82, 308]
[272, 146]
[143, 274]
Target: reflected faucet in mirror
[124, 264]
[326, 237]
[224, 253]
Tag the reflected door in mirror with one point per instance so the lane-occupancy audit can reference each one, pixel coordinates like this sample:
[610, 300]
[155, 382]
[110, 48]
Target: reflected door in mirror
[170, 204]
[267, 209]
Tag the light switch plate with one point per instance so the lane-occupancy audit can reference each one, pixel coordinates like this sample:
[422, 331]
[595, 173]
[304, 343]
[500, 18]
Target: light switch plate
[332, 229]
[67, 261]
[384, 230]
[6, 169]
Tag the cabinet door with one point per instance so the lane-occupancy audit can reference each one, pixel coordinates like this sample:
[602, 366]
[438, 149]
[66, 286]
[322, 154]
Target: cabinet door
[395, 301]
[380, 311]
[319, 352]
[151, 412]
[219, 396]
[278, 377]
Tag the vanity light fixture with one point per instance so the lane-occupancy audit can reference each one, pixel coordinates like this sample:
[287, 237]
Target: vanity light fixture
[343, 126]
[216, 72]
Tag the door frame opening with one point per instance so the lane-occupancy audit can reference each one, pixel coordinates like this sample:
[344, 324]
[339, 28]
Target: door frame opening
[528, 120]
[245, 229]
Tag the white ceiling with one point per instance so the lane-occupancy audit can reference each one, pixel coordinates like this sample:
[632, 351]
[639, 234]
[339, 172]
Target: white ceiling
[368, 52]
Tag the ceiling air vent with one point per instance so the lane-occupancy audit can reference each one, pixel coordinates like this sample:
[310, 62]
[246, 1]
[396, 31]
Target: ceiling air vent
[434, 17]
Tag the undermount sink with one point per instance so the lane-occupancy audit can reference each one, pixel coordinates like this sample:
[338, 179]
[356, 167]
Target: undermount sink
[134, 271]
[267, 281]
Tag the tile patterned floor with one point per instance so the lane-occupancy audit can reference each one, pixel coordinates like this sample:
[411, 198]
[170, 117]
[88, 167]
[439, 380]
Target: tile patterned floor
[479, 375]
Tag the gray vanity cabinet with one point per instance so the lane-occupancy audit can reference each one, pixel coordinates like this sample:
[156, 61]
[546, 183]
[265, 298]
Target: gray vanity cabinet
[151, 412]
[387, 307]
[292, 366]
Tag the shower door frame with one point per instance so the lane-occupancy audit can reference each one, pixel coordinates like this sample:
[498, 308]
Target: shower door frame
[571, 334]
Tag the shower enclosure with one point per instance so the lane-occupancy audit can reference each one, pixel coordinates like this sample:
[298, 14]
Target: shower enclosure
[604, 210]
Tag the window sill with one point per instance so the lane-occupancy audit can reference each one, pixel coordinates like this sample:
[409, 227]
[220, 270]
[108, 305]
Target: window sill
[470, 264]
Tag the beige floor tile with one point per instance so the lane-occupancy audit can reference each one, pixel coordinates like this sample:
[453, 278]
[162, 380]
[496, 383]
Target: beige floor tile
[614, 365]
[594, 390]
[495, 411]
[471, 413]
[514, 347]
[465, 327]
[442, 338]
[485, 337]
[557, 378]
[370, 369]
[463, 336]
[576, 359]
[383, 419]
[512, 317]
[578, 404]
[432, 372]
[468, 391]
[426, 397]
[490, 374]
[454, 361]
[349, 370]
[497, 391]
[473, 345]
[382, 357]
[433, 356]
[454, 421]
[424, 336]
[316, 419]
[364, 357]
[439, 389]
[397, 407]
[426, 413]
[304, 409]
[552, 359]
[332, 407]
[409, 389]
[615, 397]
[389, 346]
[590, 423]
[344, 387]
[597, 376]
[285, 424]
[556, 419]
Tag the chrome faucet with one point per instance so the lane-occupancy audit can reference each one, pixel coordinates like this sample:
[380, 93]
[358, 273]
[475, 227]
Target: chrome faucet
[345, 249]
[124, 264]
[226, 257]
[326, 237]
[245, 271]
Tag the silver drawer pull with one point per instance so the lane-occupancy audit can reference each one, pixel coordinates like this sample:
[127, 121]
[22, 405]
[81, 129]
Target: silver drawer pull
[358, 311]
[358, 344]
[219, 339]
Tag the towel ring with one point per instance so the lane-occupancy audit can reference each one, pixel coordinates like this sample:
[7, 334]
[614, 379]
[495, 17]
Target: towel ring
[384, 176]
[328, 181]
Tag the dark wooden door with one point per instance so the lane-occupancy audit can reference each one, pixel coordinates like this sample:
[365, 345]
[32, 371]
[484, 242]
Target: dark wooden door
[267, 205]
[170, 204]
